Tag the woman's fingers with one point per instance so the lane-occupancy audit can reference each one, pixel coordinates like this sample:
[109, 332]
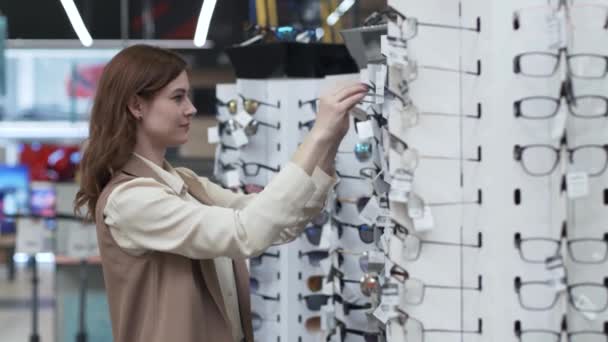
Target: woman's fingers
[349, 90]
[352, 100]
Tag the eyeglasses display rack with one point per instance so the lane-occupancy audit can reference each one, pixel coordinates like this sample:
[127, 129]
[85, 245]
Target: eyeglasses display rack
[472, 191]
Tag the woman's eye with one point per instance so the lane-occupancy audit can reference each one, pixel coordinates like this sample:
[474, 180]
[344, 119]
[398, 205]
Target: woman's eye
[178, 98]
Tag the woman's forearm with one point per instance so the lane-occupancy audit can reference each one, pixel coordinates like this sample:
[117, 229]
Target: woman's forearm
[315, 151]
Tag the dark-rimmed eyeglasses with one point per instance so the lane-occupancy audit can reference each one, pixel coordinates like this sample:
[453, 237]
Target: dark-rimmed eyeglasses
[546, 107]
[415, 330]
[595, 15]
[415, 289]
[542, 159]
[538, 250]
[545, 335]
[584, 297]
[545, 64]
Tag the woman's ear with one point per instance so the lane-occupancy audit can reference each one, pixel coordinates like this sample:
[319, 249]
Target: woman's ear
[135, 106]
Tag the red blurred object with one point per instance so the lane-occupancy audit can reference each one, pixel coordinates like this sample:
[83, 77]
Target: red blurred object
[49, 162]
[82, 82]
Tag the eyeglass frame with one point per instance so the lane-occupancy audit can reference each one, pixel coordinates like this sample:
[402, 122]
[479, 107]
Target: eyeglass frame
[567, 93]
[558, 56]
[403, 317]
[518, 284]
[518, 240]
[404, 231]
[518, 151]
[557, 334]
[397, 271]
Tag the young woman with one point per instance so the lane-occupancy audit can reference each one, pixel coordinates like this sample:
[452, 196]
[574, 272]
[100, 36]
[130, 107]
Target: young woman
[173, 245]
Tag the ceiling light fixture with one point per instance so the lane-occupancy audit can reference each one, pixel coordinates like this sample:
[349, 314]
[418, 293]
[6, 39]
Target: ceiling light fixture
[204, 21]
[77, 24]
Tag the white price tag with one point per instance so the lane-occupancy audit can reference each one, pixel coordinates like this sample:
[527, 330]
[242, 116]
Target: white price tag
[371, 211]
[380, 185]
[328, 317]
[376, 257]
[329, 237]
[380, 82]
[30, 236]
[376, 261]
[577, 184]
[240, 138]
[399, 214]
[396, 81]
[401, 186]
[383, 221]
[395, 51]
[213, 135]
[328, 288]
[365, 130]
[384, 312]
[555, 266]
[325, 265]
[556, 29]
[558, 125]
[229, 157]
[381, 313]
[384, 241]
[390, 294]
[426, 222]
[232, 178]
[395, 249]
[243, 118]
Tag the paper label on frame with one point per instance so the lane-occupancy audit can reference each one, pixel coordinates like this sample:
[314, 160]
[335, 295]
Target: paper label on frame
[365, 129]
[232, 178]
[240, 138]
[243, 118]
[577, 184]
[213, 135]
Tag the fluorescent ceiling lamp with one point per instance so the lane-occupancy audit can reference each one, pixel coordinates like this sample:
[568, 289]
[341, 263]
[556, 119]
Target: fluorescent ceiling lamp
[344, 6]
[204, 21]
[81, 31]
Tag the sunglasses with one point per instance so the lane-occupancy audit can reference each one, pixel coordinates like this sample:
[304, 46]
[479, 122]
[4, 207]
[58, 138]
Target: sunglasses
[314, 257]
[257, 260]
[314, 230]
[366, 335]
[366, 231]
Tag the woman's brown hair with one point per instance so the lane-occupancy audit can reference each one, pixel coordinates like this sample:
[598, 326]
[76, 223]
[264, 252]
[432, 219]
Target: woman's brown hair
[140, 70]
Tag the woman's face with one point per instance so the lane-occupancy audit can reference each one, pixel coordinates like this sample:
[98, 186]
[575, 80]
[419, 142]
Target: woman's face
[166, 118]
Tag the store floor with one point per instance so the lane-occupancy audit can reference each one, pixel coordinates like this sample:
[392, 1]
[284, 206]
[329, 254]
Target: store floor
[15, 301]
